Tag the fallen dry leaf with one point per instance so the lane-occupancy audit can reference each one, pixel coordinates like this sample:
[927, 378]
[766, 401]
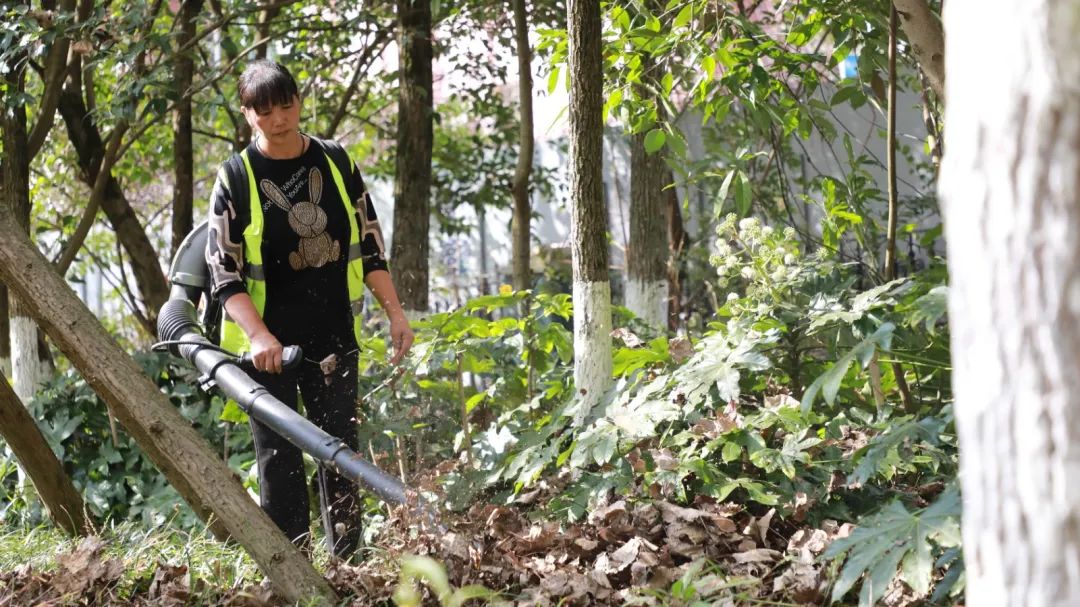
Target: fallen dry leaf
[800, 506]
[680, 349]
[674, 514]
[664, 459]
[607, 513]
[802, 582]
[780, 401]
[328, 366]
[814, 540]
[757, 555]
[629, 552]
[84, 568]
[763, 526]
[627, 337]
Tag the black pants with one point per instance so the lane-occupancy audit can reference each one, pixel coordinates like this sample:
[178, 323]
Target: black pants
[282, 484]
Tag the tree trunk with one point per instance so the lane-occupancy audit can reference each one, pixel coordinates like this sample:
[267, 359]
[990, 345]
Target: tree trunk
[28, 370]
[647, 249]
[924, 32]
[481, 225]
[30, 367]
[522, 218]
[5, 332]
[142, 256]
[412, 178]
[183, 161]
[588, 217]
[1009, 184]
[65, 505]
[677, 243]
[200, 477]
[54, 73]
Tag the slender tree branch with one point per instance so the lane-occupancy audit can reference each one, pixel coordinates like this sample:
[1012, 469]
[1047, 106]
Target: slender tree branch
[224, 20]
[894, 203]
[113, 152]
[129, 296]
[212, 135]
[522, 217]
[53, 78]
[153, 119]
[889, 270]
[96, 194]
[382, 38]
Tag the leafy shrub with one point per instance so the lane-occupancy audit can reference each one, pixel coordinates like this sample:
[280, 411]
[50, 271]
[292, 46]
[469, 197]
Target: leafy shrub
[117, 480]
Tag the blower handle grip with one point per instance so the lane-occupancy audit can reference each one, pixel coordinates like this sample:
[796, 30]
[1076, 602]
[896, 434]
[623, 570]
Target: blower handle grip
[291, 357]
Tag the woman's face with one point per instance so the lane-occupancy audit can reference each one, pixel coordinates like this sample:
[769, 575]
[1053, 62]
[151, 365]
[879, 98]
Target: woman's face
[278, 124]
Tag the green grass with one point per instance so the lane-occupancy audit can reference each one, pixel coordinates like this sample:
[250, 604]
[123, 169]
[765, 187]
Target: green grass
[221, 566]
[36, 547]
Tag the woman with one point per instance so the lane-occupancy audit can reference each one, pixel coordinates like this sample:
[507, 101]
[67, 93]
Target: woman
[293, 240]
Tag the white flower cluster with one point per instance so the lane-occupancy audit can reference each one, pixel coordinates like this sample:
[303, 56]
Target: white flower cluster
[757, 258]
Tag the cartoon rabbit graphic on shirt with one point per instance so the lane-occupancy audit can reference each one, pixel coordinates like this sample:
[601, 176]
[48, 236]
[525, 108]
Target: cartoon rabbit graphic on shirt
[308, 220]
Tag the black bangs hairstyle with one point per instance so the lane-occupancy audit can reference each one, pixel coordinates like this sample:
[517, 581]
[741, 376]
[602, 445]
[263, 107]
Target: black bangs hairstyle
[266, 83]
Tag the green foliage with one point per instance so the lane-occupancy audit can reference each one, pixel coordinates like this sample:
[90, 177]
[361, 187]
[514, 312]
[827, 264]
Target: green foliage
[117, 480]
[702, 584]
[473, 364]
[432, 573]
[895, 537]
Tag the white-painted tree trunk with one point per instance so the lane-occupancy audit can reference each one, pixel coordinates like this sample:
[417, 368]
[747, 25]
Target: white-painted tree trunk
[588, 225]
[592, 342]
[1011, 193]
[27, 370]
[26, 373]
[648, 300]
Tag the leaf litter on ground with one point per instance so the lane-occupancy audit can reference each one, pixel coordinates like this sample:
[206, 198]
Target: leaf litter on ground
[634, 549]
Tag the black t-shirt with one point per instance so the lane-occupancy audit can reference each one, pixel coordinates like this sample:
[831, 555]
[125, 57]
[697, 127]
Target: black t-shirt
[305, 246]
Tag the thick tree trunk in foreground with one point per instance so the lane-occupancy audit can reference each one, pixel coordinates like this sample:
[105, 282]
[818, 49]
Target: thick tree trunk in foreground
[647, 251]
[412, 179]
[200, 477]
[22, 435]
[1010, 183]
[588, 216]
[522, 219]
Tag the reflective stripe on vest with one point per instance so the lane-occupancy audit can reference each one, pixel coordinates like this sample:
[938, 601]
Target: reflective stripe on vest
[233, 337]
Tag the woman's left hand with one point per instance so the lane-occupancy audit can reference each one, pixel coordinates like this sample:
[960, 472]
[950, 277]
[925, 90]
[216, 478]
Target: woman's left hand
[401, 335]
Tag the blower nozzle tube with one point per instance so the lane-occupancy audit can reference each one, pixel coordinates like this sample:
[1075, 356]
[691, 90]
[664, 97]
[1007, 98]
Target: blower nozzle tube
[177, 323]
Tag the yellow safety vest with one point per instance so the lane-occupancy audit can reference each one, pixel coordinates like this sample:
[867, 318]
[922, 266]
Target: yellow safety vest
[233, 337]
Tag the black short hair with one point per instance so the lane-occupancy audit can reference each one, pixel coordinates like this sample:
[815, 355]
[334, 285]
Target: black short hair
[266, 83]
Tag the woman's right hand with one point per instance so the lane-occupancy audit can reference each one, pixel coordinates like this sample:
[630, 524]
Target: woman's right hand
[266, 352]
